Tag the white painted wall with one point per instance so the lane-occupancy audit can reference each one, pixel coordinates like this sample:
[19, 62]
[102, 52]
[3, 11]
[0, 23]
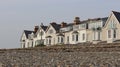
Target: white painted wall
[81, 32]
[53, 35]
[80, 37]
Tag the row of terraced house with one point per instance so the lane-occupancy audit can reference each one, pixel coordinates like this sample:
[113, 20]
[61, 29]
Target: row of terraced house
[97, 30]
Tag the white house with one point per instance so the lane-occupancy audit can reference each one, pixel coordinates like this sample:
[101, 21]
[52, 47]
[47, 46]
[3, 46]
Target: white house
[40, 35]
[51, 34]
[26, 39]
[97, 30]
[111, 30]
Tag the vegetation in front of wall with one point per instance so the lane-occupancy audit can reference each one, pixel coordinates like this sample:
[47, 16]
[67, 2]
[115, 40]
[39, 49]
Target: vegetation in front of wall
[40, 45]
[97, 29]
[60, 44]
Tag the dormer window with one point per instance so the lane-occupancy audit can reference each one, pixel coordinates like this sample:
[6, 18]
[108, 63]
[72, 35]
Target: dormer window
[83, 26]
[112, 24]
[51, 31]
[41, 33]
[75, 27]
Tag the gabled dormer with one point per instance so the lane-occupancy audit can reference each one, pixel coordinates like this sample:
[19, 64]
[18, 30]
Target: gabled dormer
[113, 20]
[53, 28]
[112, 26]
[25, 35]
[41, 31]
[31, 36]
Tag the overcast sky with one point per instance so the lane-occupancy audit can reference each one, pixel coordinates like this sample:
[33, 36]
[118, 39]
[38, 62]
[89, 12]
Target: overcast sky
[17, 15]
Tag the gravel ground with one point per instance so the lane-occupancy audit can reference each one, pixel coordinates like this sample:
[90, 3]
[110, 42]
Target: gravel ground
[61, 57]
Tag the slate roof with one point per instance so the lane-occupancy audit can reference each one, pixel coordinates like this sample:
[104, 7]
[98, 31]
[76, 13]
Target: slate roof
[117, 15]
[97, 19]
[28, 32]
[104, 20]
[87, 21]
[56, 26]
[44, 27]
[70, 24]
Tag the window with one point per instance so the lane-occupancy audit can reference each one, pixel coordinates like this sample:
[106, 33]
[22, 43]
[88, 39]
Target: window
[61, 39]
[83, 26]
[76, 27]
[98, 35]
[54, 40]
[49, 41]
[76, 37]
[114, 33]
[32, 43]
[46, 41]
[83, 36]
[58, 39]
[28, 44]
[69, 28]
[41, 33]
[23, 45]
[67, 38]
[109, 33]
[72, 37]
[109, 25]
[112, 24]
[51, 31]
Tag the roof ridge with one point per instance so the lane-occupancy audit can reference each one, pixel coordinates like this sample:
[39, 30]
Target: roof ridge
[117, 15]
[28, 30]
[115, 11]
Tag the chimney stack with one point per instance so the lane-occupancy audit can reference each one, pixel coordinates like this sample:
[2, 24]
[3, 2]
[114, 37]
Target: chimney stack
[63, 24]
[36, 29]
[77, 20]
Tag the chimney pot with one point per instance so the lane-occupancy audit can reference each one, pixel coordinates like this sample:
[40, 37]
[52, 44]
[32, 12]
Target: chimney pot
[36, 29]
[63, 24]
[77, 20]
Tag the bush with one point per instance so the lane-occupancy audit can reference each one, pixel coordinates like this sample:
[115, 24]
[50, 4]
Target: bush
[40, 45]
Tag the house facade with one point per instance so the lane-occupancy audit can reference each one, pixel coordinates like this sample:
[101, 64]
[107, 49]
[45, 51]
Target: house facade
[27, 39]
[97, 30]
[51, 34]
[111, 30]
[39, 36]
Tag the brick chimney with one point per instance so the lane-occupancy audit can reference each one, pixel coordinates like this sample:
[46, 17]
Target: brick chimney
[36, 29]
[63, 24]
[77, 20]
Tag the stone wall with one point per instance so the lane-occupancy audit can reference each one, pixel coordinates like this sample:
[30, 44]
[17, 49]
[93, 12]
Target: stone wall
[62, 56]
